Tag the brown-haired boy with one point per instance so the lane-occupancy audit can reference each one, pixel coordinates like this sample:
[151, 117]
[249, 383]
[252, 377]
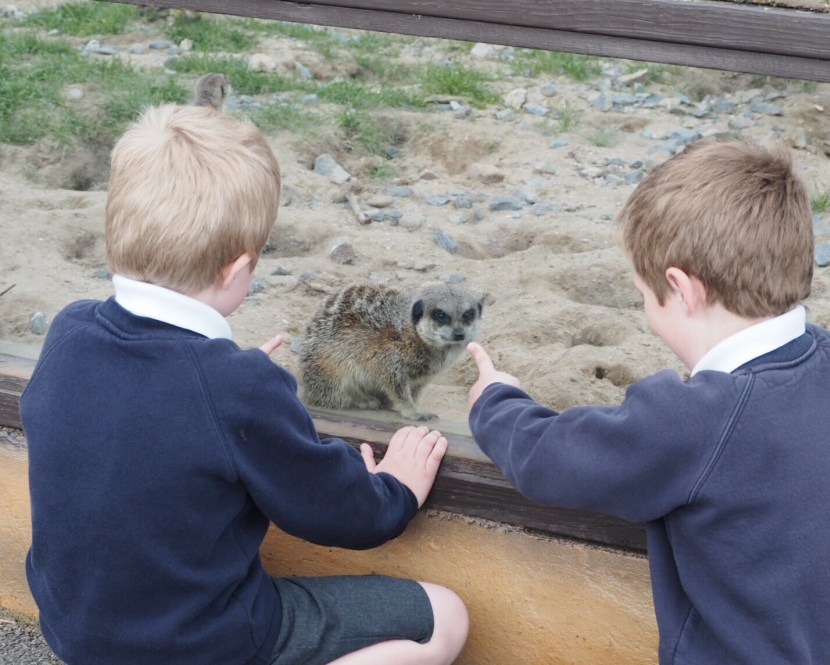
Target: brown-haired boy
[159, 451]
[730, 468]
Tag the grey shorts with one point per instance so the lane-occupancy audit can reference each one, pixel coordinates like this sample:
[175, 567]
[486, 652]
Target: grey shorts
[324, 618]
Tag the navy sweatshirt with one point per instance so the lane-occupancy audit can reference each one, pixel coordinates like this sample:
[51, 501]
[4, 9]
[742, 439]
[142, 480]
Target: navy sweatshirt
[731, 474]
[157, 458]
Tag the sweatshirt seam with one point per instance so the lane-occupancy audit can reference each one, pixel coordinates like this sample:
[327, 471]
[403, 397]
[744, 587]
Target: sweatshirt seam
[723, 439]
[214, 418]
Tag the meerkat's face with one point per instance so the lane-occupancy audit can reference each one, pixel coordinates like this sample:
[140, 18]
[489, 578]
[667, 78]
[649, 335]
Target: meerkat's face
[445, 315]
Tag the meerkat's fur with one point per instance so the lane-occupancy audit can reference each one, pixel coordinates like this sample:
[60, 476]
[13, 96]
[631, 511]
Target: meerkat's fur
[371, 346]
[212, 90]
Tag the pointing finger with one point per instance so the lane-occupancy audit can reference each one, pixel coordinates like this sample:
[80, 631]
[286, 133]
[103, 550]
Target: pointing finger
[485, 365]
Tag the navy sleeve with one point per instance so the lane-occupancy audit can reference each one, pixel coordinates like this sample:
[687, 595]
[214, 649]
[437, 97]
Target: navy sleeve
[318, 490]
[638, 460]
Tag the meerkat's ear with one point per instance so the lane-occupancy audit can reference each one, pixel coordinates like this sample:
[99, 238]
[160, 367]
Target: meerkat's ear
[417, 310]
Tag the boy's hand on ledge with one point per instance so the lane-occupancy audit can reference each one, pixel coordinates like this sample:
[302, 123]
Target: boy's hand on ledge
[413, 457]
[487, 373]
[270, 346]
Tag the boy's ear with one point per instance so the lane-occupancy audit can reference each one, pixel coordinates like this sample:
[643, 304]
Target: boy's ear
[230, 271]
[688, 288]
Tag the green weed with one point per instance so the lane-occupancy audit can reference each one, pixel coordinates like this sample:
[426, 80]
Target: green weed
[84, 19]
[536, 63]
[460, 81]
[820, 202]
[604, 137]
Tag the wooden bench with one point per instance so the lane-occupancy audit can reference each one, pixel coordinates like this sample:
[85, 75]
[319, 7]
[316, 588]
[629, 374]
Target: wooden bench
[787, 38]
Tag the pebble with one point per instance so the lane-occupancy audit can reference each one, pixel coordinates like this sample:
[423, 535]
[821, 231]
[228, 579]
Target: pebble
[444, 240]
[379, 201]
[462, 202]
[453, 278]
[342, 251]
[37, 323]
[412, 220]
[536, 109]
[326, 165]
[486, 173]
[503, 202]
[516, 98]
[399, 191]
[822, 254]
[437, 201]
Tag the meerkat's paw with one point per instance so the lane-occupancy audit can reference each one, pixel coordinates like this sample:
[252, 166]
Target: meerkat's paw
[368, 403]
[419, 416]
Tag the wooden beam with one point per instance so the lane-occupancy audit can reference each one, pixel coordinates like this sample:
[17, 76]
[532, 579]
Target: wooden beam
[784, 42]
[467, 484]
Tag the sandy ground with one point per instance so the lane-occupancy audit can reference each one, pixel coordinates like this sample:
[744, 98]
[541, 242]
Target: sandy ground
[565, 317]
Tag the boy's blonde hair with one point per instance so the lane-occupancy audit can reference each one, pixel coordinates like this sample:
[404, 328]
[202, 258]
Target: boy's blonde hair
[734, 215]
[191, 189]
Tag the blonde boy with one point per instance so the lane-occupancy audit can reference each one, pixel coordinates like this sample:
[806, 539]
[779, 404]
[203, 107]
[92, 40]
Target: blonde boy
[160, 451]
[729, 468]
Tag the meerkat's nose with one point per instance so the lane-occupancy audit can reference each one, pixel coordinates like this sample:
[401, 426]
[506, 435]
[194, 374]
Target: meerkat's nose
[458, 335]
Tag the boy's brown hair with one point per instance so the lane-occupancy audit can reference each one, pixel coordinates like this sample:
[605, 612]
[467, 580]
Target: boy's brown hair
[734, 215]
[191, 189]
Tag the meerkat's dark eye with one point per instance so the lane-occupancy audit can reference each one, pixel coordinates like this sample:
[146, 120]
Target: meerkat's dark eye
[468, 317]
[440, 317]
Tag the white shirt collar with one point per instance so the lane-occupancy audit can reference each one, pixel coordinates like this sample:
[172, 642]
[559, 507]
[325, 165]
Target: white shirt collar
[167, 306]
[754, 342]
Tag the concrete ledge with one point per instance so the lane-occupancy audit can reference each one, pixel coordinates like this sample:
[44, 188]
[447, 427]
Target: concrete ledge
[532, 599]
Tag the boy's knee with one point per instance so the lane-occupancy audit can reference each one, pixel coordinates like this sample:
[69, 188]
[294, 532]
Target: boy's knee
[450, 617]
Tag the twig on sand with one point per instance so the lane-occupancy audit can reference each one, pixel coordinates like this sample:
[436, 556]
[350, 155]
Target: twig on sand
[7, 289]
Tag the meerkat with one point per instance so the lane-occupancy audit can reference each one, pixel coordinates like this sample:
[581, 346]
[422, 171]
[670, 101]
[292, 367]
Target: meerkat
[370, 346]
[212, 90]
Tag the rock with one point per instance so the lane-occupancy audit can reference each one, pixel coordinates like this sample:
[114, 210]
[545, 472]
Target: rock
[485, 173]
[536, 109]
[37, 323]
[412, 220]
[342, 251]
[326, 165]
[515, 99]
[635, 77]
[399, 191]
[444, 240]
[822, 254]
[380, 201]
[503, 202]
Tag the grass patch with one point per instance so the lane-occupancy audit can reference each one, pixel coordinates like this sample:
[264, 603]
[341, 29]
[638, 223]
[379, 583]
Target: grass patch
[536, 63]
[458, 81]
[370, 133]
[211, 34]
[820, 202]
[605, 137]
[84, 19]
[34, 76]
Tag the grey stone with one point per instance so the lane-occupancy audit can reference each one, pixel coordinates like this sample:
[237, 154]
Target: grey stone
[37, 323]
[444, 240]
[399, 191]
[503, 202]
[462, 201]
[822, 254]
[536, 109]
[326, 165]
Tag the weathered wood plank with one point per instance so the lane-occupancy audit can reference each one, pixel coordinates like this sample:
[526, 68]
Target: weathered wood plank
[701, 33]
[467, 484]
